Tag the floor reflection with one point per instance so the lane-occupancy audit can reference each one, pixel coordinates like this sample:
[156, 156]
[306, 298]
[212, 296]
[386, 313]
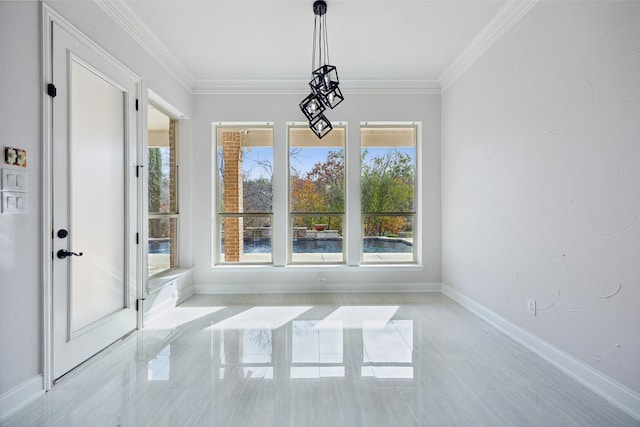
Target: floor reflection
[316, 352]
[159, 368]
[261, 317]
[360, 316]
[251, 342]
[391, 360]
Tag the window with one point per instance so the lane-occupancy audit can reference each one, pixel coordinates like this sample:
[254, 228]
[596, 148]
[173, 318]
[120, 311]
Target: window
[316, 195]
[312, 208]
[244, 195]
[387, 186]
[162, 192]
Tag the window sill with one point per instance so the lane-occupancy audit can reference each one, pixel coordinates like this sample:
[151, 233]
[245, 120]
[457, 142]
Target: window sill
[156, 283]
[323, 267]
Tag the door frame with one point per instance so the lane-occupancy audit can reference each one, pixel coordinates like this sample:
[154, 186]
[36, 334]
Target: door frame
[49, 18]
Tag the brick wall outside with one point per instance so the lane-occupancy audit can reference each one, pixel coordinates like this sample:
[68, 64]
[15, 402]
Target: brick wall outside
[232, 185]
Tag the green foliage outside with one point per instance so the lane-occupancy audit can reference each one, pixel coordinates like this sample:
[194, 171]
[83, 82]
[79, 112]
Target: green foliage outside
[387, 184]
[320, 190]
[155, 179]
[157, 227]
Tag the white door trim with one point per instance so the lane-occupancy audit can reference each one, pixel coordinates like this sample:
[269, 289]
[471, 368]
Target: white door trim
[49, 18]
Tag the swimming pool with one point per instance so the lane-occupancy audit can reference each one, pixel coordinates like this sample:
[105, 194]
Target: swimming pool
[159, 246]
[303, 246]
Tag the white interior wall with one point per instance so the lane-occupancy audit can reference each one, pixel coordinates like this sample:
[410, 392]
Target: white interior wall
[281, 109]
[20, 126]
[541, 181]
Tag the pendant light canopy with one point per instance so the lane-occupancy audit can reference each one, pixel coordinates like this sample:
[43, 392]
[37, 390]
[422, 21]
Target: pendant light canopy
[325, 85]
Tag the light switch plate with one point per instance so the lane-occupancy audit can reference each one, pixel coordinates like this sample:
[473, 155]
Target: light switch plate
[14, 202]
[14, 180]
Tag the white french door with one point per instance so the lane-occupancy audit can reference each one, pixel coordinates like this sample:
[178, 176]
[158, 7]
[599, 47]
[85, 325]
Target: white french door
[94, 199]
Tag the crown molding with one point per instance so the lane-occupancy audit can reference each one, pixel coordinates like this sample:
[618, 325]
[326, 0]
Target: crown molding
[249, 87]
[129, 21]
[301, 87]
[502, 22]
[391, 87]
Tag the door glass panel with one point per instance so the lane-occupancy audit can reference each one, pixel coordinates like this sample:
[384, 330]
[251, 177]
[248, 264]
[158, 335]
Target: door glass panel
[97, 154]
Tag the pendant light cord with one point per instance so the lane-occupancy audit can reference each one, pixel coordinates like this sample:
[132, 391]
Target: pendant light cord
[313, 53]
[320, 51]
[325, 33]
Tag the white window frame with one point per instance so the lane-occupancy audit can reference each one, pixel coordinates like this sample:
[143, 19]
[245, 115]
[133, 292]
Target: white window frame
[352, 223]
[344, 214]
[417, 202]
[162, 106]
[215, 231]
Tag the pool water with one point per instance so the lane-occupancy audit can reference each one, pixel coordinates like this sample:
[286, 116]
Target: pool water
[162, 246]
[305, 246]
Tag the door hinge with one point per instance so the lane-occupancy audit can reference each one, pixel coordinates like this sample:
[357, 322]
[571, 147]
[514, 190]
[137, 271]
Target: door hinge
[51, 90]
[139, 303]
[137, 106]
[137, 238]
[138, 167]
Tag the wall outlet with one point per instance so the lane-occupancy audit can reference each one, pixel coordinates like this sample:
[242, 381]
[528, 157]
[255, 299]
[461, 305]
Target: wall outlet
[531, 306]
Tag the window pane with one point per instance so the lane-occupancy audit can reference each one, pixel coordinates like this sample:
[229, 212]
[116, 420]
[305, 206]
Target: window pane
[245, 170]
[317, 190]
[163, 243]
[162, 192]
[316, 171]
[245, 239]
[245, 185]
[387, 239]
[317, 239]
[162, 162]
[387, 185]
[387, 179]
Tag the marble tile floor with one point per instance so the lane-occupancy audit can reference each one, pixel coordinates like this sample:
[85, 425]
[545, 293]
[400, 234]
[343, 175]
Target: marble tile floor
[318, 360]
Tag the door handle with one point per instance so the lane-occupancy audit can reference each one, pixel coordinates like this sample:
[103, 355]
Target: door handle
[63, 253]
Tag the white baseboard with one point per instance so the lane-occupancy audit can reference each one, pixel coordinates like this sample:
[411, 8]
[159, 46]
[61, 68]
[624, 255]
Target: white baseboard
[20, 396]
[312, 288]
[607, 388]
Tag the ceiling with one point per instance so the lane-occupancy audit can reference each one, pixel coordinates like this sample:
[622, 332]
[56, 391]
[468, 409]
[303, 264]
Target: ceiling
[270, 40]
